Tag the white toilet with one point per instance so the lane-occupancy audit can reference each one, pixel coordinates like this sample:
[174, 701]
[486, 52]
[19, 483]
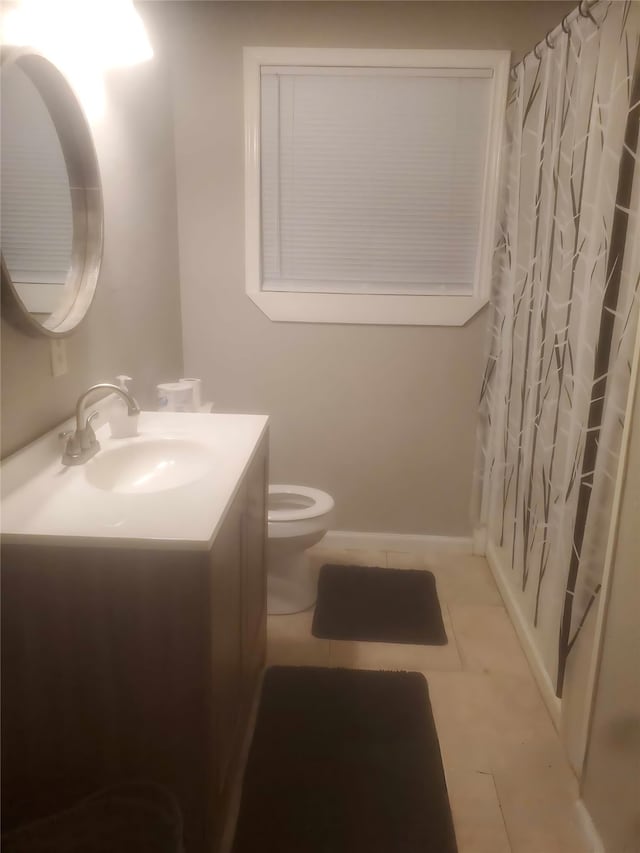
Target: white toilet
[298, 517]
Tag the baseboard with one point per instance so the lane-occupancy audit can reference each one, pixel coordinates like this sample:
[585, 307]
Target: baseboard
[525, 635]
[594, 842]
[412, 543]
[480, 541]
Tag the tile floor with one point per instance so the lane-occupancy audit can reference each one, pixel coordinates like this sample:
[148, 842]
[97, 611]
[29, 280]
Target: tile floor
[510, 787]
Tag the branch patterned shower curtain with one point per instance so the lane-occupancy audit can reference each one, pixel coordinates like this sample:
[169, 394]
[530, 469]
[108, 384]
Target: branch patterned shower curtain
[565, 311]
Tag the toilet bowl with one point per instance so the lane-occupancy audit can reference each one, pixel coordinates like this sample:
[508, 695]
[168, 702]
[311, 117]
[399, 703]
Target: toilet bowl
[298, 517]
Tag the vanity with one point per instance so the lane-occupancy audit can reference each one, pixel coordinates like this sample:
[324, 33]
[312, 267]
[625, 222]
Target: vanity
[133, 575]
[134, 616]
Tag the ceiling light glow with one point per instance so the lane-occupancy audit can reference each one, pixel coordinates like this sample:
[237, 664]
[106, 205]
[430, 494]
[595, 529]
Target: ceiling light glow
[84, 38]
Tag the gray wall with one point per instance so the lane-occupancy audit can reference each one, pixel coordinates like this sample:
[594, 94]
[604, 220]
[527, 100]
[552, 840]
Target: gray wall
[384, 418]
[611, 781]
[134, 324]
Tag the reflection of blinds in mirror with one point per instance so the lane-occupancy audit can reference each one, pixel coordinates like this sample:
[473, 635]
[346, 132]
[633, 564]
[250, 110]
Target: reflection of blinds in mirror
[372, 181]
[36, 224]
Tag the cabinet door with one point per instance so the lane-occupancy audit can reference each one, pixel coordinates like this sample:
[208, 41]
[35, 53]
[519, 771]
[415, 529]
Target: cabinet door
[226, 635]
[104, 678]
[254, 578]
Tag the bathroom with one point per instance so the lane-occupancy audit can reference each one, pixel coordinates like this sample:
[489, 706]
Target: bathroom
[382, 417]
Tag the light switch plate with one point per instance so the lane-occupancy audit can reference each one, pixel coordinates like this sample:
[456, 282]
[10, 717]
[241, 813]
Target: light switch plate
[59, 364]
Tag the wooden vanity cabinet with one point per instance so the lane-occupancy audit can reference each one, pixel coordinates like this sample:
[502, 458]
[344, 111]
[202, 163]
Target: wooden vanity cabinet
[123, 664]
[238, 620]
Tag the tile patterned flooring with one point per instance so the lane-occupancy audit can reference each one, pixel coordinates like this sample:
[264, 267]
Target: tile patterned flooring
[510, 787]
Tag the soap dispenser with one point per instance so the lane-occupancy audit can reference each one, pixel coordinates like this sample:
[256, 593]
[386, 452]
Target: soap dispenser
[123, 425]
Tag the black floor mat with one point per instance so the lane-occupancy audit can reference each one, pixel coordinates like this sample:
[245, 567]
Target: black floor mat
[378, 605]
[344, 761]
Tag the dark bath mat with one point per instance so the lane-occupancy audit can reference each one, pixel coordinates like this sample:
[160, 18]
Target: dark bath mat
[378, 605]
[344, 761]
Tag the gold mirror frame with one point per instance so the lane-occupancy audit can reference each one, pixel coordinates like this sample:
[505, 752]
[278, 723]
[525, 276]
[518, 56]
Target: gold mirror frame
[85, 188]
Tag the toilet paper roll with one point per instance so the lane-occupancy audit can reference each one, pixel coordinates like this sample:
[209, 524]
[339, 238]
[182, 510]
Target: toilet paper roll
[175, 397]
[196, 386]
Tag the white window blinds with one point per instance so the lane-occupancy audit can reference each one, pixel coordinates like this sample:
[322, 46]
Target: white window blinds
[372, 179]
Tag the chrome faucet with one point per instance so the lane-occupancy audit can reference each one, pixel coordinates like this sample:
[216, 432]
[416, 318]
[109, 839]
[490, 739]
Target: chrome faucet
[82, 444]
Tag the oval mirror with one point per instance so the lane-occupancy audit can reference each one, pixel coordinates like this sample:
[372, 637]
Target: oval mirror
[51, 200]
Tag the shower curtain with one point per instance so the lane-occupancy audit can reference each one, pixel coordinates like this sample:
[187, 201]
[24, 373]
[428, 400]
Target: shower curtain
[564, 315]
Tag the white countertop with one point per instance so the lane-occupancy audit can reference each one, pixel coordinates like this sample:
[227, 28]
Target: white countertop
[45, 502]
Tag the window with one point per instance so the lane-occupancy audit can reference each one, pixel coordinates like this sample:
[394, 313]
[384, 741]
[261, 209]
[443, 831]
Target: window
[371, 183]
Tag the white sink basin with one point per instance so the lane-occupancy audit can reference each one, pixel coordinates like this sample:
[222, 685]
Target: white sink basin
[148, 465]
[169, 486]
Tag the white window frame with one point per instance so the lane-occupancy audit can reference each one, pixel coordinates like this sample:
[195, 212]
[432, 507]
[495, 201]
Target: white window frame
[363, 308]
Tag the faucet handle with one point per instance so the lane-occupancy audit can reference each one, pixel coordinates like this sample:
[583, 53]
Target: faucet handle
[68, 439]
[72, 447]
[87, 435]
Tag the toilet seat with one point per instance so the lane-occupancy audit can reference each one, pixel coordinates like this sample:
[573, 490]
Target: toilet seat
[304, 503]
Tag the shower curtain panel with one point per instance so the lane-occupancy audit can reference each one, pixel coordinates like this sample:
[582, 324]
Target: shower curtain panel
[565, 306]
